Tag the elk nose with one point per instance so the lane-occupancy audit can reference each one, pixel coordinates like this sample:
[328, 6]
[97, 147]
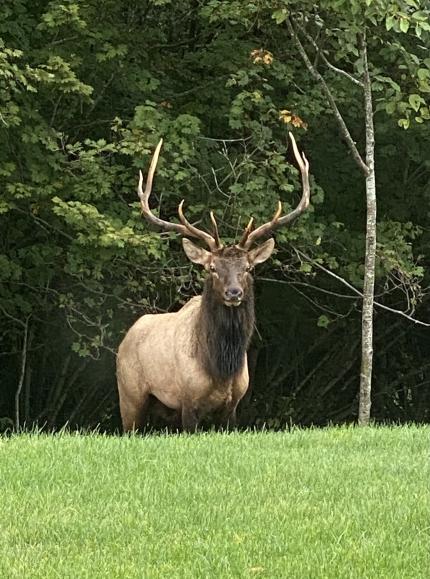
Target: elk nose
[234, 293]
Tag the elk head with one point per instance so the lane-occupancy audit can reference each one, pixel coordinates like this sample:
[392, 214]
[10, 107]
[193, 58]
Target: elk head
[229, 267]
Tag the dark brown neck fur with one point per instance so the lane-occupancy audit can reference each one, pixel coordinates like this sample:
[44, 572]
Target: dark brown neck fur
[224, 333]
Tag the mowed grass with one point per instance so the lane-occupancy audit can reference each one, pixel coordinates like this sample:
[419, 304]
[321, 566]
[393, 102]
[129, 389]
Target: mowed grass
[334, 503]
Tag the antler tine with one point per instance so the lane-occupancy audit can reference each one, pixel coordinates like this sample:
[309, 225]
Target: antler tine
[246, 232]
[148, 187]
[216, 234]
[185, 228]
[195, 232]
[278, 221]
[144, 198]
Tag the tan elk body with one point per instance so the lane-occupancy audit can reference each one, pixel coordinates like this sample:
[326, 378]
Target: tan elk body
[194, 361]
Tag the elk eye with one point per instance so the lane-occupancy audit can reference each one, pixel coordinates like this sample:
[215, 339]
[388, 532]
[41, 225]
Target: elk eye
[212, 267]
[249, 268]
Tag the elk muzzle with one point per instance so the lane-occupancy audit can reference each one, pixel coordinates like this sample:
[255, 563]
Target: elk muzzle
[233, 296]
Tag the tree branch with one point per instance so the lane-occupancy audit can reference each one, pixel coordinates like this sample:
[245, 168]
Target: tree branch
[314, 72]
[358, 292]
[341, 71]
[329, 64]
[308, 285]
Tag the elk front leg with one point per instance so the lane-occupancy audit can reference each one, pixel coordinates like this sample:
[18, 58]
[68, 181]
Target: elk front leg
[190, 419]
[228, 419]
[133, 412]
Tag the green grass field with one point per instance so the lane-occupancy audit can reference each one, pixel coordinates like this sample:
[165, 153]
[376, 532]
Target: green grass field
[332, 503]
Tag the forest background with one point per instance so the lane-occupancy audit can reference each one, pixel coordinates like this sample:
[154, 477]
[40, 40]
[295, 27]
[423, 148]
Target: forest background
[88, 87]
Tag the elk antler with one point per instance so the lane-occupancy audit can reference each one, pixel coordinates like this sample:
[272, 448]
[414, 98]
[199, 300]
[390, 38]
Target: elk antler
[183, 228]
[249, 237]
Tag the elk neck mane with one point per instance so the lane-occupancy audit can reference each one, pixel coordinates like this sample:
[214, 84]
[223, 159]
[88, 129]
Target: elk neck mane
[223, 333]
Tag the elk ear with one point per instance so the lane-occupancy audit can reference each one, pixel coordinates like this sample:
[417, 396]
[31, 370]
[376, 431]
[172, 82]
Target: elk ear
[195, 253]
[261, 253]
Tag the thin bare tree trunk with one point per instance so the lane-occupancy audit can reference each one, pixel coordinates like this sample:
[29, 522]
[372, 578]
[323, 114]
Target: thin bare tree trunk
[370, 257]
[22, 375]
[368, 169]
[27, 381]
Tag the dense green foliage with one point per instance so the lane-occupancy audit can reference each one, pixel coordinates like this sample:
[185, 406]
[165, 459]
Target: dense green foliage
[318, 503]
[87, 87]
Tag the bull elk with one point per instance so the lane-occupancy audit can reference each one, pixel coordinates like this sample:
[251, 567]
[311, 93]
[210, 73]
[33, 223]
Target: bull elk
[194, 361]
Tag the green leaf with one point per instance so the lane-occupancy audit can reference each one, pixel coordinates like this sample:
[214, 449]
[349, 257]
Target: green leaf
[425, 113]
[415, 101]
[4, 207]
[390, 107]
[389, 22]
[305, 267]
[323, 321]
[280, 15]
[404, 25]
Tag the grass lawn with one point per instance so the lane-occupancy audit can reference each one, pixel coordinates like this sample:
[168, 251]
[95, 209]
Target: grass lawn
[332, 503]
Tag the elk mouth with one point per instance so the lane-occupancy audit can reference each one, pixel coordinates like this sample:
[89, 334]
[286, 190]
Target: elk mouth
[232, 302]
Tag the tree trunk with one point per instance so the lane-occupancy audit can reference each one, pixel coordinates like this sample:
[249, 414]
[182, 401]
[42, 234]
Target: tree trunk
[368, 168]
[22, 374]
[369, 266]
